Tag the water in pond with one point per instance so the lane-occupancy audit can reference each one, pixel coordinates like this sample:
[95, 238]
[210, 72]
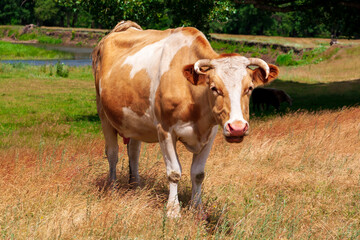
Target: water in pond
[81, 55]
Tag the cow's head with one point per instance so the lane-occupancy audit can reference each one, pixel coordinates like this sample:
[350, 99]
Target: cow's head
[230, 82]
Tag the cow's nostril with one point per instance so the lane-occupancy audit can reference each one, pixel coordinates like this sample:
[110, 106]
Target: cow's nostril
[237, 128]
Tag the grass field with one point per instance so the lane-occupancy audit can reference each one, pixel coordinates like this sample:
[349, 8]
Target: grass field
[21, 51]
[286, 41]
[296, 176]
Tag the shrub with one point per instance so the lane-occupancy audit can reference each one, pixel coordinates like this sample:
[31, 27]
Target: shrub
[286, 59]
[61, 70]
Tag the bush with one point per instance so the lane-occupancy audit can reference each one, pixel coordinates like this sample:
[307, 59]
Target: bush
[61, 70]
[286, 59]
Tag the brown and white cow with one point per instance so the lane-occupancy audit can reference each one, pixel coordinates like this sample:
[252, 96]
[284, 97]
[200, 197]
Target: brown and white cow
[169, 86]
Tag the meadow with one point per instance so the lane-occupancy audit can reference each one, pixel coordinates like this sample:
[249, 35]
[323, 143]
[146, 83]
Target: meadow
[296, 176]
[21, 51]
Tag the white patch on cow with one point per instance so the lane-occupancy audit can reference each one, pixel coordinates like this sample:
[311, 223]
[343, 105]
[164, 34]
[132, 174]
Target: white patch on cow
[150, 56]
[232, 70]
[156, 58]
[144, 125]
[185, 132]
[135, 28]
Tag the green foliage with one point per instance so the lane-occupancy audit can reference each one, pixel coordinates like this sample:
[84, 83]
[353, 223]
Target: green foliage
[286, 59]
[61, 70]
[16, 12]
[308, 57]
[301, 18]
[45, 10]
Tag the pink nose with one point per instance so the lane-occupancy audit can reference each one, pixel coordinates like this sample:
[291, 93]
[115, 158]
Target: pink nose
[237, 128]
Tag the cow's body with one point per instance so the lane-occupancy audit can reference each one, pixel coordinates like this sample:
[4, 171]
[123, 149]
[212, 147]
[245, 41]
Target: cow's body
[265, 97]
[149, 89]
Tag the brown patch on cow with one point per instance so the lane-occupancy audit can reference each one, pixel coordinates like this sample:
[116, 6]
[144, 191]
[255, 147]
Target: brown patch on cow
[224, 55]
[174, 177]
[199, 178]
[177, 91]
[118, 92]
[190, 31]
[259, 75]
[221, 103]
[192, 76]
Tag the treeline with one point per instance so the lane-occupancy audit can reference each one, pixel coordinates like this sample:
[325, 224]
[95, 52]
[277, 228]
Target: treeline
[294, 18]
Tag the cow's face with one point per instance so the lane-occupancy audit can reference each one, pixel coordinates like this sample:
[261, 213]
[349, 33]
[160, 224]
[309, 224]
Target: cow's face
[230, 83]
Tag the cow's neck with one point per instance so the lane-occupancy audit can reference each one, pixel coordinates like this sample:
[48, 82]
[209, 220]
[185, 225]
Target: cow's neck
[206, 117]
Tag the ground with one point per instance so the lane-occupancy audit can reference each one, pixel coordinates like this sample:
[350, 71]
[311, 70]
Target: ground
[295, 176]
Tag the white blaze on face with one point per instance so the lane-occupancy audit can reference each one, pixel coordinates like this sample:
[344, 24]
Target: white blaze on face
[232, 70]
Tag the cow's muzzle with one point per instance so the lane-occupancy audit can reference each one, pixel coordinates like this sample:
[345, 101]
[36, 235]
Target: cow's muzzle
[235, 131]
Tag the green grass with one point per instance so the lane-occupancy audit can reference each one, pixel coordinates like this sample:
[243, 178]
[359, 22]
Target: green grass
[40, 37]
[295, 177]
[32, 98]
[255, 51]
[308, 57]
[21, 51]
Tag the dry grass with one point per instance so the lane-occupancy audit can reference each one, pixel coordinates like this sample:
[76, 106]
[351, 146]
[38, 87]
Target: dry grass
[344, 65]
[286, 41]
[294, 177]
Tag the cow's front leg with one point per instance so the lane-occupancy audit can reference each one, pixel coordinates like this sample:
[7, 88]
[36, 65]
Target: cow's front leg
[197, 169]
[173, 170]
[133, 149]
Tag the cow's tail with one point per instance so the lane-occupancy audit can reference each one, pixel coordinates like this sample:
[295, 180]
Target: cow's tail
[97, 52]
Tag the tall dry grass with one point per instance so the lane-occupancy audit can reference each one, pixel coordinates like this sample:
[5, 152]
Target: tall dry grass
[296, 176]
[286, 41]
[343, 66]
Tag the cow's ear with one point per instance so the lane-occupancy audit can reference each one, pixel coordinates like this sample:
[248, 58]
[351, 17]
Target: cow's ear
[259, 75]
[192, 76]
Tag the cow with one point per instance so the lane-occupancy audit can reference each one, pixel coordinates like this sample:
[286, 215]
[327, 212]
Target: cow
[170, 86]
[269, 97]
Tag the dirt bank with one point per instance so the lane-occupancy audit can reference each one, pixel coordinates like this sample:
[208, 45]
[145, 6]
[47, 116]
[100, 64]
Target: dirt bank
[65, 36]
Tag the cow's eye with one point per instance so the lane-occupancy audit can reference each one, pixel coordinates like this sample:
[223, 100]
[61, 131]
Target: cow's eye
[249, 90]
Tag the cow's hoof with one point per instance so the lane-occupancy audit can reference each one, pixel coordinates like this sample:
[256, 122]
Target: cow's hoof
[134, 183]
[173, 211]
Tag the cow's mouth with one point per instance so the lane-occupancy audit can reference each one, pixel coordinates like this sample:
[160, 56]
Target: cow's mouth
[234, 139]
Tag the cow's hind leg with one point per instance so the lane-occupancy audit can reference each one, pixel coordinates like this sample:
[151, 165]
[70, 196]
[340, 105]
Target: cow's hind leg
[133, 149]
[111, 142]
[111, 149]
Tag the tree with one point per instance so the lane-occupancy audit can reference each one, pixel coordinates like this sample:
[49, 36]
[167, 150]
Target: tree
[46, 11]
[16, 12]
[338, 17]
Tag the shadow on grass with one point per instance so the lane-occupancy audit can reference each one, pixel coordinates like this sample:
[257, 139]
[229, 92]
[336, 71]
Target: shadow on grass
[317, 97]
[89, 118]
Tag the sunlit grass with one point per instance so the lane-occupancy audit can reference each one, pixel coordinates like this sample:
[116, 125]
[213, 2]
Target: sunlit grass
[342, 66]
[20, 51]
[296, 176]
[286, 41]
